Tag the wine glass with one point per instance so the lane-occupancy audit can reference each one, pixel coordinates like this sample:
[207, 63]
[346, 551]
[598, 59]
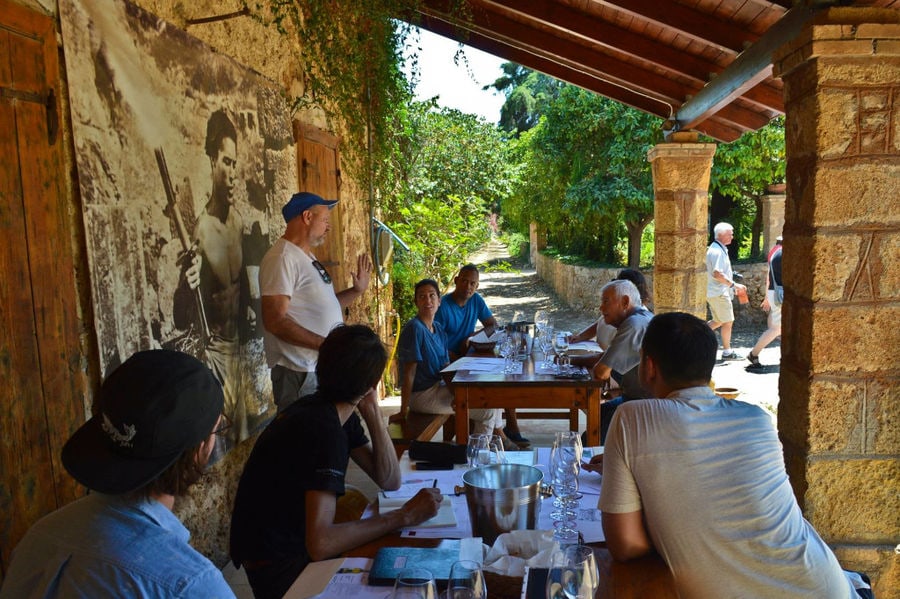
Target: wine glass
[466, 581]
[496, 451]
[546, 343]
[477, 450]
[541, 320]
[573, 573]
[561, 345]
[414, 583]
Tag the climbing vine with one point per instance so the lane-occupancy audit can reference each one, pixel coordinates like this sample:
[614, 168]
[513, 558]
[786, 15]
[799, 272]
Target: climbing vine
[351, 54]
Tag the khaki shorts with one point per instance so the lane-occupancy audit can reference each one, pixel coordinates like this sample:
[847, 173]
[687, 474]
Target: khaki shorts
[438, 399]
[721, 308]
[774, 309]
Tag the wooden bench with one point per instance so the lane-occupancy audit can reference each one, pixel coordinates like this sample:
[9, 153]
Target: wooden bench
[419, 427]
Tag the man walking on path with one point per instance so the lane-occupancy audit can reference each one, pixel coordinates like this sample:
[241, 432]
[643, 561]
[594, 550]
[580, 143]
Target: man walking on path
[772, 304]
[299, 304]
[720, 287]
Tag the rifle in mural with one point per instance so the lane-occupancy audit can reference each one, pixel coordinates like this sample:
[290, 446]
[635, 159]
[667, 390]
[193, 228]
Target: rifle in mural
[173, 212]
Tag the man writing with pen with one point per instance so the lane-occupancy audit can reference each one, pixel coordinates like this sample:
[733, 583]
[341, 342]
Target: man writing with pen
[285, 509]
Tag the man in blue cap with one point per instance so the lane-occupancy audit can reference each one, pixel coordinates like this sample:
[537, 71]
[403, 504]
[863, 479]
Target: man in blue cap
[299, 303]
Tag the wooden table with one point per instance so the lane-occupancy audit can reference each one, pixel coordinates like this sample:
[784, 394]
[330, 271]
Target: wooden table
[475, 390]
[636, 579]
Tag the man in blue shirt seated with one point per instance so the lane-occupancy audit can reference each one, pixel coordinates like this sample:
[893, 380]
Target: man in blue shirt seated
[159, 414]
[458, 313]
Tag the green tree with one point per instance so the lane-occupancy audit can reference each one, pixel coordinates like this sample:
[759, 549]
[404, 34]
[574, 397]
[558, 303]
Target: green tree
[527, 95]
[742, 170]
[452, 167]
[585, 176]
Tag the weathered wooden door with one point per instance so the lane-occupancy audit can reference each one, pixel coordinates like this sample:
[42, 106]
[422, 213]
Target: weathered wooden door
[319, 168]
[42, 382]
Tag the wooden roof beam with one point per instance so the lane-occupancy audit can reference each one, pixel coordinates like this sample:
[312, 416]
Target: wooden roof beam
[699, 26]
[563, 72]
[542, 43]
[601, 32]
[747, 70]
[598, 64]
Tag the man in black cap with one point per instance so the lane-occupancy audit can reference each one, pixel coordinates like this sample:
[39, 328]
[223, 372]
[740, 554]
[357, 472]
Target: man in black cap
[299, 304]
[158, 417]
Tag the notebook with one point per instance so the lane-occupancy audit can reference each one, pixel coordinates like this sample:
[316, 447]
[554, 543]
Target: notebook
[444, 517]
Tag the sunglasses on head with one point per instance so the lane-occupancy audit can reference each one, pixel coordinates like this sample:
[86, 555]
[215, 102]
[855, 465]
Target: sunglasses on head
[322, 272]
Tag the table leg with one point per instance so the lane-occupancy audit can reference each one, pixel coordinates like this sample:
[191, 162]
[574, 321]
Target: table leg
[592, 395]
[461, 408]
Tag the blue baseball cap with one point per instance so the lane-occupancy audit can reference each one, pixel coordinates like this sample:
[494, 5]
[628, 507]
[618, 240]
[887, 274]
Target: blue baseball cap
[301, 202]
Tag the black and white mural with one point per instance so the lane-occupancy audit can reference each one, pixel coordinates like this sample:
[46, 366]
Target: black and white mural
[184, 159]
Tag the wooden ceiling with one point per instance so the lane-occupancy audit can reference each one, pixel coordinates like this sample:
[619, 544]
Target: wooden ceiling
[704, 65]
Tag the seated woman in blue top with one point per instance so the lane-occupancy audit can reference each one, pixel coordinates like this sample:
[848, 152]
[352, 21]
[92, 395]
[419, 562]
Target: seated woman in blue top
[423, 353]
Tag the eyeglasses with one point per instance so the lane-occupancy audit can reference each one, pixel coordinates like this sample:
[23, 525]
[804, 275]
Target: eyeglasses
[224, 426]
[322, 272]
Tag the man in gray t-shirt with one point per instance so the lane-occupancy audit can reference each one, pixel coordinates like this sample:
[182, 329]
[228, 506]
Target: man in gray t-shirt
[701, 481]
[620, 303]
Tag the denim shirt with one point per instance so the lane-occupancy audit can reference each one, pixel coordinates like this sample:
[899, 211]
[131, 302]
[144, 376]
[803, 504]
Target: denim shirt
[107, 546]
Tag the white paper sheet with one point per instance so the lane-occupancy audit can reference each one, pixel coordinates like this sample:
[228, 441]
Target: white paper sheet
[492, 365]
[444, 517]
[341, 577]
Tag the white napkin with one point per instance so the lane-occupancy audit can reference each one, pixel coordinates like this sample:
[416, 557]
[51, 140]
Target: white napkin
[512, 551]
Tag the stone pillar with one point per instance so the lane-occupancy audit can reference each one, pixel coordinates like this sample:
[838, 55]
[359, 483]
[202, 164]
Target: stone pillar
[840, 381]
[681, 191]
[538, 241]
[773, 215]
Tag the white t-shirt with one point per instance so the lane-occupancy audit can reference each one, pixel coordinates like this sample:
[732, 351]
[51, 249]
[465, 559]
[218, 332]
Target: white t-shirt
[717, 259]
[709, 475]
[288, 270]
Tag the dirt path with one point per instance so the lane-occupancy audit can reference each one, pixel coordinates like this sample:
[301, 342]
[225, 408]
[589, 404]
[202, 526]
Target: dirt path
[508, 287]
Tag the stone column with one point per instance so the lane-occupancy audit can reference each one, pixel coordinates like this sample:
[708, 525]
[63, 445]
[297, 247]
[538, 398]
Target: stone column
[681, 191]
[840, 381]
[773, 215]
[538, 241]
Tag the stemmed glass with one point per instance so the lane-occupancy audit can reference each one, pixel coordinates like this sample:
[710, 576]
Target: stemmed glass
[561, 345]
[477, 451]
[414, 583]
[507, 351]
[573, 573]
[564, 479]
[541, 320]
[546, 342]
[466, 581]
[497, 454]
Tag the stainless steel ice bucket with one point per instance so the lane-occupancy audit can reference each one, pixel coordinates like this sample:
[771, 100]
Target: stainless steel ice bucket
[501, 498]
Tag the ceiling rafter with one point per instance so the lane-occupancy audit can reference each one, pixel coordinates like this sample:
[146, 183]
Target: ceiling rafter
[600, 65]
[596, 30]
[695, 24]
[719, 128]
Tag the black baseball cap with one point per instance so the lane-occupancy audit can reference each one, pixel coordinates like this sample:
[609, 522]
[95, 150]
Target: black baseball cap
[152, 408]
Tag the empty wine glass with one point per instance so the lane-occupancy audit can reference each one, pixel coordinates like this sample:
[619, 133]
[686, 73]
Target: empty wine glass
[414, 583]
[466, 581]
[496, 451]
[477, 451]
[541, 320]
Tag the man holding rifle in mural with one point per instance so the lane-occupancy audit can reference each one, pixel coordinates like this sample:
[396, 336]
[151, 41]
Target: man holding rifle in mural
[213, 267]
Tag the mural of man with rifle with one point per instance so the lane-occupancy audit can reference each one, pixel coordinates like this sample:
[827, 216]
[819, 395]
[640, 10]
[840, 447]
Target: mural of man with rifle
[214, 271]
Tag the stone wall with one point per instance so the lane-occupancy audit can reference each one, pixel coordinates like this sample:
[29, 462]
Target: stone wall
[207, 510]
[579, 286]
